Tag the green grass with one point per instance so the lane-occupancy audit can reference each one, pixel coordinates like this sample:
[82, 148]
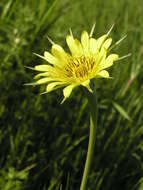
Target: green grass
[43, 144]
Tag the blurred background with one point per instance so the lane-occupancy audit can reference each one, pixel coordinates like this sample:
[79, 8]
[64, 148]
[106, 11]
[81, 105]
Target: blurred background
[43, 144]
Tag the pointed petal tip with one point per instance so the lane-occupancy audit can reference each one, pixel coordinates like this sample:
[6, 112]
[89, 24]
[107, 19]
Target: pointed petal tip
[50, 40]
[86, 84]
[39, 55]
[124, 57]
[64, 99]
[92, 30]
[120, 40]
[30, 84]
[103, 74]
[43, 93]
[71, 33]
[90, 90]
[67, 91]
[110, 30]
[27, 67]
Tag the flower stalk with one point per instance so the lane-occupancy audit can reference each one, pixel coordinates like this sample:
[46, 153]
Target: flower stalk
[92, 101]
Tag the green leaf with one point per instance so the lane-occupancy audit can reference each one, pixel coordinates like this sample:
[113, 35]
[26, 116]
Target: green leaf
[121, 110]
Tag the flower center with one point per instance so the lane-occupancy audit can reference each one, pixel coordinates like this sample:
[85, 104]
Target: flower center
[80, 67]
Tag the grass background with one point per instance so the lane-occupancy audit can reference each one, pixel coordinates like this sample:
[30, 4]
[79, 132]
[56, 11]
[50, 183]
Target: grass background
[43, 144]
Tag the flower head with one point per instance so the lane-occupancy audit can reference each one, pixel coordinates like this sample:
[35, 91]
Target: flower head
[89, 58]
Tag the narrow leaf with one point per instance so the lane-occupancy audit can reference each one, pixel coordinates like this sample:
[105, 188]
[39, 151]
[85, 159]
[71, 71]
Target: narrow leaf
[121, 110]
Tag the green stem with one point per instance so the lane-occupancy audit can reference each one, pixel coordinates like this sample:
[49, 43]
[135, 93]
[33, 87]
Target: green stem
[92, 101]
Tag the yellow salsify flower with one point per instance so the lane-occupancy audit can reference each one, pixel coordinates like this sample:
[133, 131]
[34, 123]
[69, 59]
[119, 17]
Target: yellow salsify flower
[89, 59]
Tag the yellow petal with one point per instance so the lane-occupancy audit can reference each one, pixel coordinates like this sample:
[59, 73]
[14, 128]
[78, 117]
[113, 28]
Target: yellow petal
[107, 43]
[79, 46]
[102, 53]
[93, 45]
[44, 80]
[45, 74]
[43, 67]
[53, 86]
[85, 41]
[109, 61]
[100, 58]
[74, 46]
[67, 91]
[87, 85]
[103, 74]
[50, 58]
[59, 53]
[101, 40]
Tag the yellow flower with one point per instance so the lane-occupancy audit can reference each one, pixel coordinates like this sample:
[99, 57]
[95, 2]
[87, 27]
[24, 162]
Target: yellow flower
[89, 59]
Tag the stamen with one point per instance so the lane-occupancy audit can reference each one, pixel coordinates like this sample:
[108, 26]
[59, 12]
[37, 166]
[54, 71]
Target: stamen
[80, 67]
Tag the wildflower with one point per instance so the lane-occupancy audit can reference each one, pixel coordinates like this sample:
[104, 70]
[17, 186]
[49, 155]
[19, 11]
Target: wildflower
[89, 59]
